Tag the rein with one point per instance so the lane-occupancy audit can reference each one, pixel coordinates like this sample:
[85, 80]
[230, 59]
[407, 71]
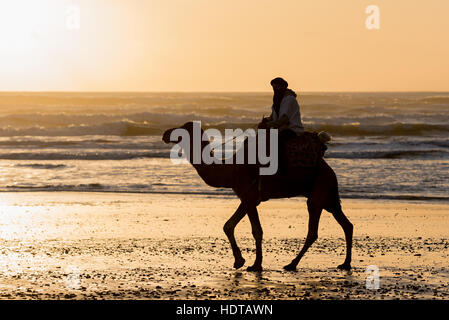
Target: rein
[233, 138]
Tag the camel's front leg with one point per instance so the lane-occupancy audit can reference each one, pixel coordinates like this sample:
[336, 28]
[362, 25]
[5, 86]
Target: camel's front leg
[257, 233]
[229, 230]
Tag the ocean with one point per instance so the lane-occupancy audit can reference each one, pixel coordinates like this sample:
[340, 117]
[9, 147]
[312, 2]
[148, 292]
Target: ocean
[384, 146]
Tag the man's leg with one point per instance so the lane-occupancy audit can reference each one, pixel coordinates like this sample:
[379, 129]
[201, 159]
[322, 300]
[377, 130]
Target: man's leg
[268, 183]
[284, 137]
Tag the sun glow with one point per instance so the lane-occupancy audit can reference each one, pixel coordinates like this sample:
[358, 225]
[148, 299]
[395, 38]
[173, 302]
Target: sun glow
[202, 45]
[30, 31]
[73, 45]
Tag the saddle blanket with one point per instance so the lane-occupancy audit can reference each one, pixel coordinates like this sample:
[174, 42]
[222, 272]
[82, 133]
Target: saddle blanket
[304, 150]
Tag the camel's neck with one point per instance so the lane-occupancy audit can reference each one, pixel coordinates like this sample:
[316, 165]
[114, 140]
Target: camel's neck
[215, 175]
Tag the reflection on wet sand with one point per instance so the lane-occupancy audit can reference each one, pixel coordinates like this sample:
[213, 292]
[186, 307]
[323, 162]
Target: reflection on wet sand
[109, 246]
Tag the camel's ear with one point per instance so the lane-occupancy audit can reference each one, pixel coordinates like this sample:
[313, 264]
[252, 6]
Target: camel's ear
[166, 136]
[187, 126]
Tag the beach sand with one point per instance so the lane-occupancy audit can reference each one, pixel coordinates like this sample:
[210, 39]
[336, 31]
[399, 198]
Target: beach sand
[71, 245]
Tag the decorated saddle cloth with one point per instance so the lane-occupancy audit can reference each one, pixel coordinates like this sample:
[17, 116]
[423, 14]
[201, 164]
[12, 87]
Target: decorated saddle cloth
[304, 150]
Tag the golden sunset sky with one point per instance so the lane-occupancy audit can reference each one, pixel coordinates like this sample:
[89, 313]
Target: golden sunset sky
[223, 45]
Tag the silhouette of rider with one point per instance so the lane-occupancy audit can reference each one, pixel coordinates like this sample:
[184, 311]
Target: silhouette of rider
[285, 116]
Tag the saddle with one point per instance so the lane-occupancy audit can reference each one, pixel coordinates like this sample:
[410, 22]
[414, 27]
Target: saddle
[304, 150]
[302, 154]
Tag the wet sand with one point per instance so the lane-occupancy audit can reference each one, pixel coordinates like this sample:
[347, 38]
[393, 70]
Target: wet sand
[64, 245]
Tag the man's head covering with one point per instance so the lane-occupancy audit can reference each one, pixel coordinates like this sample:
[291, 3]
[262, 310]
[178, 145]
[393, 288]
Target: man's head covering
[279, 81]
[278, 92]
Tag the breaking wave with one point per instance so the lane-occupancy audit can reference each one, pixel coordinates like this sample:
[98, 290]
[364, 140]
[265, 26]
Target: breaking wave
[132, 128]
[83, 155]
[392, 154]
[41, 166]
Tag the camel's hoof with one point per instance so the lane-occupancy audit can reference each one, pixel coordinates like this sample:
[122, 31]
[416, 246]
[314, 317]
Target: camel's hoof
[290, 267]
[254, 268]
[239, 263]
[344, 266]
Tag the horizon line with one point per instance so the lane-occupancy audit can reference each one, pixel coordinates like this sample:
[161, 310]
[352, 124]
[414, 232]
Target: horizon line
[221, 91]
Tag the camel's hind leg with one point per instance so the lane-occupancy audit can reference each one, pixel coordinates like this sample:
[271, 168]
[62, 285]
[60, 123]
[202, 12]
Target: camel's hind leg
[229, 231]
[347, 226]
[314, 218]
[348, 229]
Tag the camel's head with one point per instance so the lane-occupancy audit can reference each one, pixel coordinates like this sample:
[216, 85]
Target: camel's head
[166, 135]
[188, 126]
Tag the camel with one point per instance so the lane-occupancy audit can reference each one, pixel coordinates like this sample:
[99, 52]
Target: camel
[319, 186]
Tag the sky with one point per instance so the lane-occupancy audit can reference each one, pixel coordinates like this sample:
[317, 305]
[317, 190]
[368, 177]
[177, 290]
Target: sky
[223, 45]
